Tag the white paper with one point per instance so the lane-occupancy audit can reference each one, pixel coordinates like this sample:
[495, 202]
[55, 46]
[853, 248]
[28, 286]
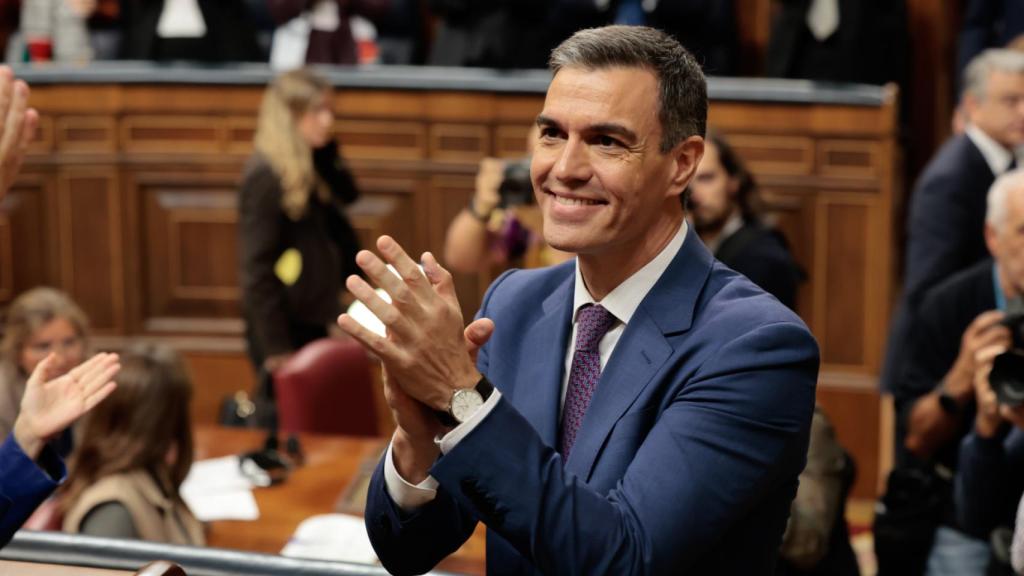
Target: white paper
[291, 40]
[324, 16]
[238, 505]
[215, 489]
[181, 19]
[338, 537]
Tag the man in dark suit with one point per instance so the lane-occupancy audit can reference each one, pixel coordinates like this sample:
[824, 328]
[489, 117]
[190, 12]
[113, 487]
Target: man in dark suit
[725, 210]
[947, 208]
[650, 408]
[956, 319]
[222, 31]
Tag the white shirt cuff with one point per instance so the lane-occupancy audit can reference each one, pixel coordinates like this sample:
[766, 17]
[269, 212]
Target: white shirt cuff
[449, 440]
[407, 496]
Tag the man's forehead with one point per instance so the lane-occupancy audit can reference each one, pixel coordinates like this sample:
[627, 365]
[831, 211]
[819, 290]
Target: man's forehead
[613, 94]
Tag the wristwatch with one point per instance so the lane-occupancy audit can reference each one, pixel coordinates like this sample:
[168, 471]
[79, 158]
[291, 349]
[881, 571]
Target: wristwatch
[465, 402]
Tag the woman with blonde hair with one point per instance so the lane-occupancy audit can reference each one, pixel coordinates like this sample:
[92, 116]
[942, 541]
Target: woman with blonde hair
[39, 321]
[134, 452]
[297, 246]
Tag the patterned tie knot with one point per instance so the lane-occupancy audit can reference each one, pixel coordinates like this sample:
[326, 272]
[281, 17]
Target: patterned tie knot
[593, 322]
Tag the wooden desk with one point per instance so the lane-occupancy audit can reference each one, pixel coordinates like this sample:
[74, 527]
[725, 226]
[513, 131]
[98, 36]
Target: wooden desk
[332, 464]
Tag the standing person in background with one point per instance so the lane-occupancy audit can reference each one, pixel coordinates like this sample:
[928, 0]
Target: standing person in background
[40, 322]
[200, 30]
[296, 244]
[31, 469]
[330, 33]
[135, 452]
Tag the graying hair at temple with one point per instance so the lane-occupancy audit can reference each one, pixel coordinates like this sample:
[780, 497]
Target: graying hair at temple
[683, 99]
[983, 65]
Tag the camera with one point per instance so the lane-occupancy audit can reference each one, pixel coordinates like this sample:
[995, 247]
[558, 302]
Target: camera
[516, 188]
[1007, 376]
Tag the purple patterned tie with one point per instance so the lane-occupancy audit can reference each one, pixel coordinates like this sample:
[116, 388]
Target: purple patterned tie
[592, 323]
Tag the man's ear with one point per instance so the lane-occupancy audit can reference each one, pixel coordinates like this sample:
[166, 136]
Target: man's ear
[970, 103]
[686, 157]
[991, 239]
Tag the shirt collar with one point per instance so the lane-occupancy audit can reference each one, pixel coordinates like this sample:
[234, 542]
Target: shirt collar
[996, 155]
[998, 288]
[623, 301]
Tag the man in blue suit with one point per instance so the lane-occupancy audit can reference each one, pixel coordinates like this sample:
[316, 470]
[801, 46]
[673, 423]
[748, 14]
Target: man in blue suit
[640, 410]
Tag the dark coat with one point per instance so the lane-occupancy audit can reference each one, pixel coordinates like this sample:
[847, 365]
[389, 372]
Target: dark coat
[230, 35]
[337, 47]
[945, 234]
[323, 237]
[761, 255]
[869, 46]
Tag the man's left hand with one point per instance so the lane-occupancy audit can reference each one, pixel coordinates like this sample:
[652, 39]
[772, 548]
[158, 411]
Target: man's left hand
[424, 350]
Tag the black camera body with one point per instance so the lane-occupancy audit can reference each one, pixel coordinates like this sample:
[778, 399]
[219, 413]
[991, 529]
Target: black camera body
[1007, 376]
[516, 189]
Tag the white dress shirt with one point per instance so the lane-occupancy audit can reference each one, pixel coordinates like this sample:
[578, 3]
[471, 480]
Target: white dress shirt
[996, 155]
[621, 302]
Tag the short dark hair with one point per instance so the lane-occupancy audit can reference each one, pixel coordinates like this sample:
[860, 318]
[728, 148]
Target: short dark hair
[683, 100]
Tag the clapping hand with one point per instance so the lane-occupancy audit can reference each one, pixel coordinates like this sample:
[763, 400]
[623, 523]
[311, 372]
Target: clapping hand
[991, 413]
[19, 126]
[51, 404]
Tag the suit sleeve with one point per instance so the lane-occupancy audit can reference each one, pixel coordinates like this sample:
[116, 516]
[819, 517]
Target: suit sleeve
[735, 432]
[24, 484]
[260, 244]
[936, 234]
[988, 482]
[413, 543]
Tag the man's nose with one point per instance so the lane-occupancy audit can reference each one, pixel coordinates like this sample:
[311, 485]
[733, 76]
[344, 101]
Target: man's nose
[573, 162]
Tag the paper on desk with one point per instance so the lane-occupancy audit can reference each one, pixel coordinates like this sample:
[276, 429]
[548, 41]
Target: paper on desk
[339, 537]
[215, 489]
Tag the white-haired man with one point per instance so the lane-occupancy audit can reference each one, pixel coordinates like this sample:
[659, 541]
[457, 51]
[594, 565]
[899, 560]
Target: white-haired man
[956, 319]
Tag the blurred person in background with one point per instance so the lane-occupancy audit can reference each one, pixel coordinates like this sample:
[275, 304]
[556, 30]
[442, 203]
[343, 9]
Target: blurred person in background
[135, 451]
[725, 207]
[326, 25]
[198, 30]
[57, 29]
[39, 322]
[501, 226]
[296, 245]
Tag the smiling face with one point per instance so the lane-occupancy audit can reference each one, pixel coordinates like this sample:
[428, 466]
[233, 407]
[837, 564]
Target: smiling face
[603, 185]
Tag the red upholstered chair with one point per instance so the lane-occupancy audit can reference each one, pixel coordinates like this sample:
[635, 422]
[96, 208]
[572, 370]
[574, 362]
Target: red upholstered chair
[327, 388]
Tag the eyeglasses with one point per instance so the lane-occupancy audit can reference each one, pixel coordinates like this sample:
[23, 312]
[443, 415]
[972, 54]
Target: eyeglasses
[63, 346]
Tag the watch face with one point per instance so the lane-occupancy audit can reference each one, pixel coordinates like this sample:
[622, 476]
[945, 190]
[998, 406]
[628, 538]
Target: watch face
[465, 402]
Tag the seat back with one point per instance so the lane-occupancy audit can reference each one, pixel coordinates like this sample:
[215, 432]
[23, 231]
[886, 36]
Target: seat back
[327, 388]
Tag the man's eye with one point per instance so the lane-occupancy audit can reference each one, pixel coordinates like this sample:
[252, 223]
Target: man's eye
[607, 141]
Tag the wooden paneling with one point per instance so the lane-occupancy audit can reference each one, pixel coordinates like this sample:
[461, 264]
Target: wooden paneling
[459, 142]
[397, 140]
[86, 134]
[89, 228]
[216, 375]
[190, 243]
[28, 209]
[842, 264]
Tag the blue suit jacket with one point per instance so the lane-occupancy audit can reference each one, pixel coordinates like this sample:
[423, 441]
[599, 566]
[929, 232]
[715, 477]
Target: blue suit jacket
[24, 484]
[687, 458]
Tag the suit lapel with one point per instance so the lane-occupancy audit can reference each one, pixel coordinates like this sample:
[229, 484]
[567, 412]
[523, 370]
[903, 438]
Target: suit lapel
[642, 350]
[539, 382]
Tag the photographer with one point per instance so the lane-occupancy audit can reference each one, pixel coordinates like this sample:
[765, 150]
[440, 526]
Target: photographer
[919, 527]
[501, 225]
[990, 480]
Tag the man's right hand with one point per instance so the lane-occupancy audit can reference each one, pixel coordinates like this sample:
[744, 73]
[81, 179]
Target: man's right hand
[984, 331]
[413, 443]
